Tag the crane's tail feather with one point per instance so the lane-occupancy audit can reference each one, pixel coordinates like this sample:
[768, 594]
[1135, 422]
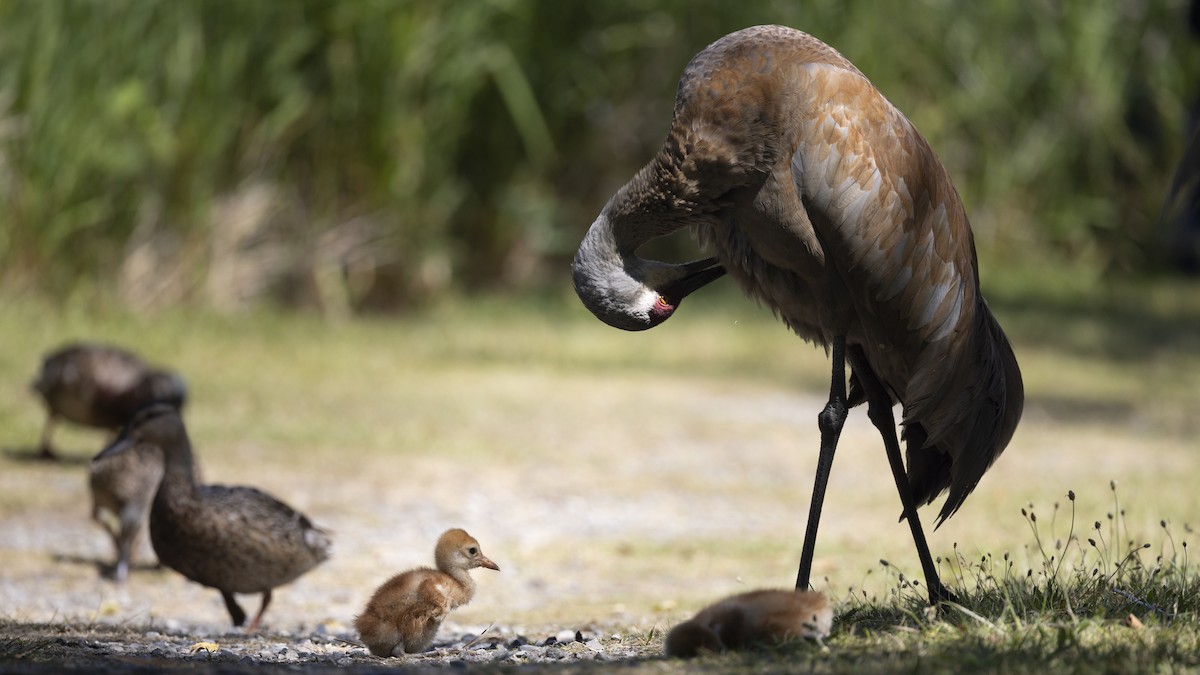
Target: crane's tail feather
[956, 457]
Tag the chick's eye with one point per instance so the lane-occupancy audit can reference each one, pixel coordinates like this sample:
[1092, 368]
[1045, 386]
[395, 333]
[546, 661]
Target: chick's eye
[472, 550]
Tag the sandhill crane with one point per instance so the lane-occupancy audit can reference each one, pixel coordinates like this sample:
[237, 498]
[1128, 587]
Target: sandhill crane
[824, 203]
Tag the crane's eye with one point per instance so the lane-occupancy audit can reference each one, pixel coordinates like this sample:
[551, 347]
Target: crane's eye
[472, 550]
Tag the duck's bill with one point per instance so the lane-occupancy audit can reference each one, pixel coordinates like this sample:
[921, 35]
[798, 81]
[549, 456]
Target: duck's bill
[113, 448]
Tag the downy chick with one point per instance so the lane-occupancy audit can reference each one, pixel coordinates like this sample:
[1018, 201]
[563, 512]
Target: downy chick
[763, 617]
[404, 614]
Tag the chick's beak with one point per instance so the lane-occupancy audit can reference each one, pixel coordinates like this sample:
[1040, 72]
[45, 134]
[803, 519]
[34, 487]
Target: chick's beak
[484, 561]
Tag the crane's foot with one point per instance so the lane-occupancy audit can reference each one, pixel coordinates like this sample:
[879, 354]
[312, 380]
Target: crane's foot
[940, 595]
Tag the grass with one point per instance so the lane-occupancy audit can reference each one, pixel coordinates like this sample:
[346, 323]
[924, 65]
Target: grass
[625, 480]
[1090, 602]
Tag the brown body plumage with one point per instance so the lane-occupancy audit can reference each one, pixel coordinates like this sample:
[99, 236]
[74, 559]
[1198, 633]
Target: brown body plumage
[99, 386]
[232, 538]
[822, 202]
[756, 618]
[404, 613]
[123, 486]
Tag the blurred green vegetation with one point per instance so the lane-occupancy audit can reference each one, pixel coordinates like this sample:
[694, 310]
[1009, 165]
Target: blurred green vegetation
[373, 155]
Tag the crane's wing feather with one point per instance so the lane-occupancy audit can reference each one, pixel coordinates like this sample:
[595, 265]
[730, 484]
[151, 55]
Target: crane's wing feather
[897, 236]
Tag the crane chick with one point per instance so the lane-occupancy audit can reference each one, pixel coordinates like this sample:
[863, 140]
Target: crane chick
[763, 617]
[405, 612]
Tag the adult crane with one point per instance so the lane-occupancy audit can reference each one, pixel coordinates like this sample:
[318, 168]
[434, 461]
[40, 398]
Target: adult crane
[824, 203]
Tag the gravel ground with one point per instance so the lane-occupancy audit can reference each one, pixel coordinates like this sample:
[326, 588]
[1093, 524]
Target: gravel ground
[27, 648]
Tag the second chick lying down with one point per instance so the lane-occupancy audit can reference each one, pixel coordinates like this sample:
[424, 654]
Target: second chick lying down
[763, 617]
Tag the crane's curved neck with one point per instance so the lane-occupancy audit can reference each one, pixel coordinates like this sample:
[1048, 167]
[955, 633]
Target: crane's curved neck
[626, 291]
[633, 293]
[657, 201]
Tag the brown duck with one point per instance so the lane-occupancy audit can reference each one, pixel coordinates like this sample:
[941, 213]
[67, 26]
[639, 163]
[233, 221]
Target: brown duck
[99, 386]
[123, 485]
[404, 614]
[232, 538]
[757, 618]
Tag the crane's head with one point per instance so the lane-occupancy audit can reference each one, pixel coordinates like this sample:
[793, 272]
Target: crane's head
[628, 292]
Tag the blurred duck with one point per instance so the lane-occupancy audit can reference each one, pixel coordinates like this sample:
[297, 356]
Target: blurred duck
[405, 612]
[99, 386]
[234, 539]
[756, 618]
[123, 485]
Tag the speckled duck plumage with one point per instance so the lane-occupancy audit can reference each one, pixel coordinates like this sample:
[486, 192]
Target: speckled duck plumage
[123, 485]
[235, 539]
[100, 386]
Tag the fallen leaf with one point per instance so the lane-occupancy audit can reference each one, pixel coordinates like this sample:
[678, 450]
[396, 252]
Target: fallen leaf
[207, 646]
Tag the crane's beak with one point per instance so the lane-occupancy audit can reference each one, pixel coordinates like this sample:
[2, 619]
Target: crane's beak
[692, 276]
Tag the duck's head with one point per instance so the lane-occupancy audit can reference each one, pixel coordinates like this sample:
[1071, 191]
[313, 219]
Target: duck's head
[166, 387]
[156, 424]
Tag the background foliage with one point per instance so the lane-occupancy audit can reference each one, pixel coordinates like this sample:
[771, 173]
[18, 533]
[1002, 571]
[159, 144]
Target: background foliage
[373, 154]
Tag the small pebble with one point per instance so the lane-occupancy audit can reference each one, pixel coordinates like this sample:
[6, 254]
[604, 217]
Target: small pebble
[594, 645]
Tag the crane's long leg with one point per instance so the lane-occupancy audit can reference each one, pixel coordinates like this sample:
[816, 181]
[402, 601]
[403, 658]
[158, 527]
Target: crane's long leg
[830, 422]
[880, 411]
